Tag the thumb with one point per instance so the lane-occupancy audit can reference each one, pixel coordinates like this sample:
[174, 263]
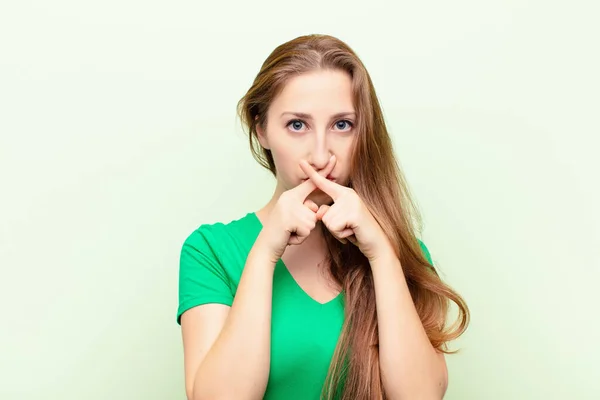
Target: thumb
[322, 210]
[312, 205]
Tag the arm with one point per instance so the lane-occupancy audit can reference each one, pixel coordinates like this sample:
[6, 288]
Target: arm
[227, 350]
[410, 367]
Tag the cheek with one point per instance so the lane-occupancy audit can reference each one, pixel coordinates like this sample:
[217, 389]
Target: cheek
[344, 172]
[286, 162]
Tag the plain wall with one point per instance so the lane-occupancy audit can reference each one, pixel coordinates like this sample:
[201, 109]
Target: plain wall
[118, 137]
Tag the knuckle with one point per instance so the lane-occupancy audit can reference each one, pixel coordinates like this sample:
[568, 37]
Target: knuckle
[284, 196]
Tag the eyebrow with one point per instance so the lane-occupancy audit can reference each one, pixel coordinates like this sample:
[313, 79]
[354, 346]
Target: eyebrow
[309, 117]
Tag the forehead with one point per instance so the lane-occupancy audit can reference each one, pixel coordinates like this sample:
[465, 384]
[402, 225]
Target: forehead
[318, 92]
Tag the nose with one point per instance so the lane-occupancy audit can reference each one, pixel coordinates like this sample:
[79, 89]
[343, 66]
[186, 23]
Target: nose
[320, 152]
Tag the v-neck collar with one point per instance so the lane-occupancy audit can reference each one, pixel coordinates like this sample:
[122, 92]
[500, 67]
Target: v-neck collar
[286, 271]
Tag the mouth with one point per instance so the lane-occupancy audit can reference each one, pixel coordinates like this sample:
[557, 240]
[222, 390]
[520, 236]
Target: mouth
[330, 178]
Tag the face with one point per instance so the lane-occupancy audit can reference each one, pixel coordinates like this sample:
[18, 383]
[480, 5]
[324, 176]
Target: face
[312, 118]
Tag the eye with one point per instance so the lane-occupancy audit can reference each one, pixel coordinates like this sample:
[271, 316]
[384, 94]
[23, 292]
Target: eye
[295, 124]
[344, 125]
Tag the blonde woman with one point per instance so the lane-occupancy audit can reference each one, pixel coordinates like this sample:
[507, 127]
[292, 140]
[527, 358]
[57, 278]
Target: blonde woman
[326, 291]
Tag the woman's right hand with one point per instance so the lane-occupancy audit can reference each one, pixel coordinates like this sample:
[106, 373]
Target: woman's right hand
[293, 217]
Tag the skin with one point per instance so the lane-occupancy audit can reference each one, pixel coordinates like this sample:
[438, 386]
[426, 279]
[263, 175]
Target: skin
[227, 349]
[411, 368]
[312, 119]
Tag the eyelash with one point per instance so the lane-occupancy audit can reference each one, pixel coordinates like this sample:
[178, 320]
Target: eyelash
[301, 121]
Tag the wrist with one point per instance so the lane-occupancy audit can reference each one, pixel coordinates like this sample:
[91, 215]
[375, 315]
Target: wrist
[385, 251]
[385, 256]
[262, 251]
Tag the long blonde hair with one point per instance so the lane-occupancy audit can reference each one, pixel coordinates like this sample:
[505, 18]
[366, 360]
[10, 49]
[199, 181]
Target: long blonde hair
[376, 177]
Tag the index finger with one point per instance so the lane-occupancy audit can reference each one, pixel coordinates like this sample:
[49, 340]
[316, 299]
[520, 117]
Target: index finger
[309, 186]
[331, 188]
[304, 189]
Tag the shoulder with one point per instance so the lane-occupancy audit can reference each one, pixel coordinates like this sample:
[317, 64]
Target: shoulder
[221, 244]
[204, 235]
[209, 235]
[210, 263]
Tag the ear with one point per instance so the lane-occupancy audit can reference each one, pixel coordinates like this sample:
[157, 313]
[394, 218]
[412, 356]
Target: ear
[262, 135]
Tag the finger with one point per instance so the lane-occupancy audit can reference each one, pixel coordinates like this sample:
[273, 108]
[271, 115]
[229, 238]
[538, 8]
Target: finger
[340, 233]
[311, 205]
[331, 188]
[346, 233]
[299, 236]
[309, 186]
[304, 189]
[322, 211]
[295, 240]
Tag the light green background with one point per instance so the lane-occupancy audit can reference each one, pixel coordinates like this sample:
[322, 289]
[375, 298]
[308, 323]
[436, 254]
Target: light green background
[119, 137]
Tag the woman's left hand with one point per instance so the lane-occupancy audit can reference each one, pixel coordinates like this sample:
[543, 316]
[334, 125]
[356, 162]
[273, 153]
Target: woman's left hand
[348, 218]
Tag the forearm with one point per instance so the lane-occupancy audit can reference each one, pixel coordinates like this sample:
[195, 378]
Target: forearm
[237, 365]
[411, 368]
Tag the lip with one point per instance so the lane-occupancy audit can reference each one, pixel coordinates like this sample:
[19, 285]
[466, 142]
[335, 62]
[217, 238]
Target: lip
[330, 178]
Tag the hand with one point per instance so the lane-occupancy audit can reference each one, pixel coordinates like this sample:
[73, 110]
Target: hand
[348, 218]
[294, 216]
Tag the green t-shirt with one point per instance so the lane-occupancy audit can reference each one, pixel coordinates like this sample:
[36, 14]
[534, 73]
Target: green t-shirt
[304, 332]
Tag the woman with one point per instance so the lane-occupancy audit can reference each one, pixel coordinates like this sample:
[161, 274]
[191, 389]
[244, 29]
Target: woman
[325, 292]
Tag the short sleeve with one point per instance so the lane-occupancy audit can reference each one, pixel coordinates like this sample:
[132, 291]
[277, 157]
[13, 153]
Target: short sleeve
[426, 252]
[202, 278]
